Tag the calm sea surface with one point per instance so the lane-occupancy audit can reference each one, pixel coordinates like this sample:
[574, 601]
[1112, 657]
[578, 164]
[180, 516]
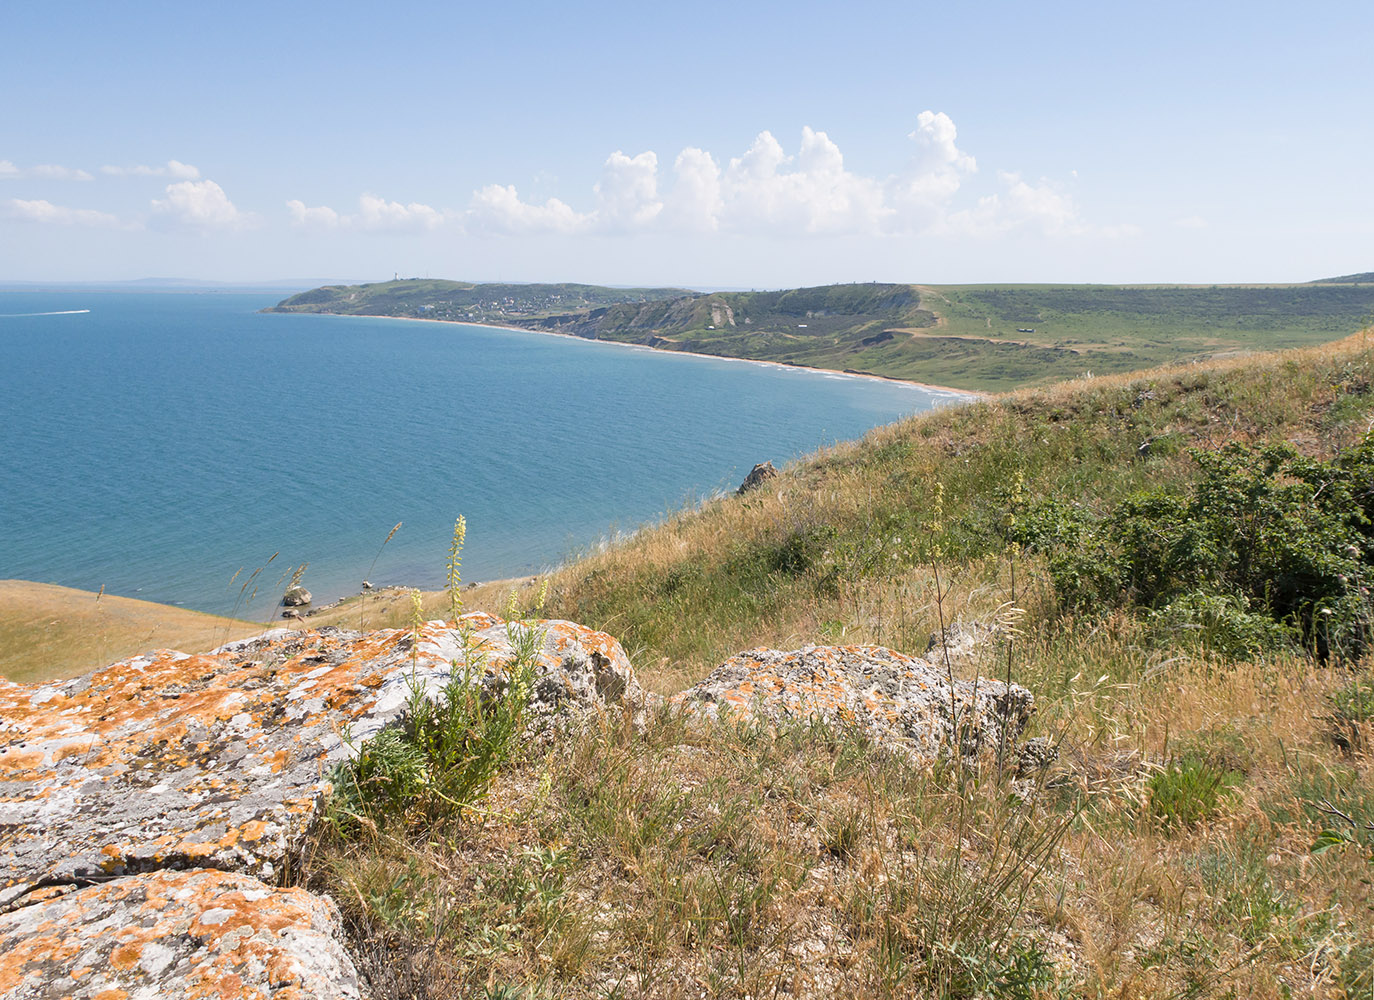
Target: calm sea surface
[159, 443]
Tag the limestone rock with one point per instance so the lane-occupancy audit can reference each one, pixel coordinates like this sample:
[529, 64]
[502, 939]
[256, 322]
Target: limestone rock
[759, 475]
[174, 935]
[901, 702]
[169, 760]
[961, 641]
[296, 597]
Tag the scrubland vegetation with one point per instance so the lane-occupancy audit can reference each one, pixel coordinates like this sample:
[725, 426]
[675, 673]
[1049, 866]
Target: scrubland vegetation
[1175, 562]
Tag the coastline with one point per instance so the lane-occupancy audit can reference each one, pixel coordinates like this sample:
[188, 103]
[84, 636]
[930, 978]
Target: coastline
[969, 395]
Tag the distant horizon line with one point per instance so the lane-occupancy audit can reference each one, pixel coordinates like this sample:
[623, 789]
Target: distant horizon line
[286, 284]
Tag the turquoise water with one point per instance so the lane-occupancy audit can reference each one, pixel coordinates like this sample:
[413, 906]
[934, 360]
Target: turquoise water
[160, 443]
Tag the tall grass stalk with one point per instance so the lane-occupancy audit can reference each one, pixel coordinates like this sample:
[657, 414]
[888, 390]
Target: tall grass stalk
[367, 580]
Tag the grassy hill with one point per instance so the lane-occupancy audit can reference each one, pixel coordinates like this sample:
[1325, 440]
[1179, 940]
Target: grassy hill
[1363, 278]
[985, 338]
[418, 298]
[1204, 831]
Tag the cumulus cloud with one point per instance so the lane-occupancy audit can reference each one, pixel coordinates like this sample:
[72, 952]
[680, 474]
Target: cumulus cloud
[768, 190]
[695, 202]
[1021, 206]
[936, 172]
[318, 217]
[42, 171]
[378, 213]
[200, 204]
[60, 215]
[627, 194]
[373, 213]
[172, 168]
[498, 208]
[765, 190]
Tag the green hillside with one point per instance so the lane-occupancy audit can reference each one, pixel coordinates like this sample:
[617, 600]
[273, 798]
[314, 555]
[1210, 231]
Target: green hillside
[423, 298]
[1175, 562]
[985, 338]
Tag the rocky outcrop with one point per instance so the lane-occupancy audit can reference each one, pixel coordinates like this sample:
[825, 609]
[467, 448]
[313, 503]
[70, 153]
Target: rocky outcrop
[961, 642]
[901, 702]
[148, 810]
[758, 475]
[221, 760]
[172, 935]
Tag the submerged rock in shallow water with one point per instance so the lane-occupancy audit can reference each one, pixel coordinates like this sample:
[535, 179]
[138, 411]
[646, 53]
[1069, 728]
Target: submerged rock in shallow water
[297, 597]
[901, 702]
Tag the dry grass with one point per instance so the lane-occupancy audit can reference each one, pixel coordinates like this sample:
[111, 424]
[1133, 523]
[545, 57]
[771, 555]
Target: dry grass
[48, 632]
[742, 863]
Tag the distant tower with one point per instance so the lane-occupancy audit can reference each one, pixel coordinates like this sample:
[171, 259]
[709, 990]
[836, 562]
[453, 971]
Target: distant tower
[396, 276]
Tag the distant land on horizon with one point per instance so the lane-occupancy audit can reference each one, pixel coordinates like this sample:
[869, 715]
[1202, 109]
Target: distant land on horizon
[986, 338]
[169, 284]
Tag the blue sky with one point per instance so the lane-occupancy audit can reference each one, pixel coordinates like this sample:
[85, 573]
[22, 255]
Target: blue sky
[713, 144]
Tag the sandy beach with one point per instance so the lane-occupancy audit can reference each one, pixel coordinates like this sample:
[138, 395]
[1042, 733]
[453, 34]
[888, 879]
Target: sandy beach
[943, 389]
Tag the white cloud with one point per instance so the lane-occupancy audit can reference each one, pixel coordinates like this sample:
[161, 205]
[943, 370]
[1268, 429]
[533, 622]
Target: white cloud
[935, 173]
[42, 171]
[172, 168]
[200, 204]
[695, 202]
[627, 194]
[767, 190]
[46, 212]
[373, 213]
[378, 213]
[319, 217]
[1022, 205]
[497, 208]
[764, 191]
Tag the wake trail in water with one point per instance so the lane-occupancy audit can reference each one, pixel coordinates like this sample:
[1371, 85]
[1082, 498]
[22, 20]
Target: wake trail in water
[59, 312]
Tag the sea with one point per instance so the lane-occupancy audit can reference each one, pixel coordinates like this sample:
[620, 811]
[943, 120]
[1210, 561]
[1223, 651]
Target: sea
[167, 445]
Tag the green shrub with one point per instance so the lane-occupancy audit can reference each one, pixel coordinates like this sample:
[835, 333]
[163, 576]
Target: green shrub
[1263, 530]
[438, 760]
[1190, 790]
[1220, 624]
[1355, 701]
[1352, 713]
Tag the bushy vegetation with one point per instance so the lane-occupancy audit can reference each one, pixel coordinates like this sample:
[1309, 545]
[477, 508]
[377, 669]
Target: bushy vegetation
[1257, 530]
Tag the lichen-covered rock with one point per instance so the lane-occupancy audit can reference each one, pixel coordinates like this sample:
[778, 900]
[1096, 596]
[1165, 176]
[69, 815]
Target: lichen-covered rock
[172, 935]
[961, 641]
[901, 702]
[219, 760]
